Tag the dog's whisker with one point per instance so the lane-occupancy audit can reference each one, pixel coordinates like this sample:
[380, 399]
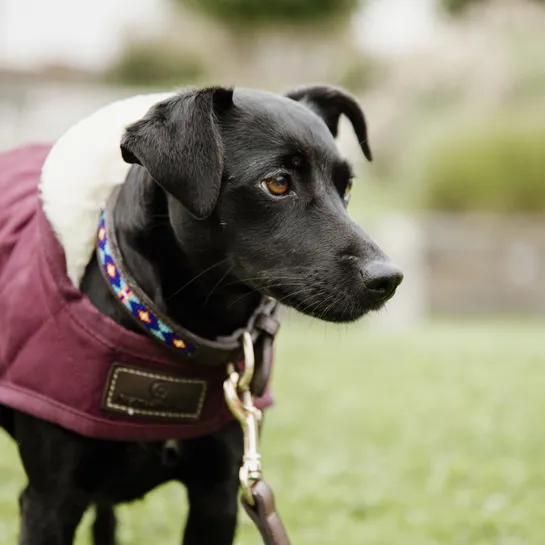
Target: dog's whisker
[292, 294]
[326, 309]
[279, 285]
[333, 297]
[271, 282]
[334, 300]
[305, 302]
[195, 278]
[251, 292]
[218, 283]
[264, 278]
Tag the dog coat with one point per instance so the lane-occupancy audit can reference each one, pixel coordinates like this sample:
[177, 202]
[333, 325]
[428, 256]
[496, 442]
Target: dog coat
[60, 358]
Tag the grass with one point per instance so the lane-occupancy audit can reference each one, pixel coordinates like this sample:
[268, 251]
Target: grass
[432, 436]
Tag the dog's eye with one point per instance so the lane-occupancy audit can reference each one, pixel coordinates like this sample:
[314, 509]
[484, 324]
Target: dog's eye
[347, 192]
[278, 185]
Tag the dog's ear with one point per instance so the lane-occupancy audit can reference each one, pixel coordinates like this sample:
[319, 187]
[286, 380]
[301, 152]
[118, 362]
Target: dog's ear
[179, 143]
[330, 103]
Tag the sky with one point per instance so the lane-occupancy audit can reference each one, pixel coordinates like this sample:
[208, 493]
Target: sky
[90, 34]
[394, 26]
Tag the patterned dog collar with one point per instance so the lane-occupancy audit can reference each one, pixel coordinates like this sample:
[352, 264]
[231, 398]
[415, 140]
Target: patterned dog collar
[130, 301]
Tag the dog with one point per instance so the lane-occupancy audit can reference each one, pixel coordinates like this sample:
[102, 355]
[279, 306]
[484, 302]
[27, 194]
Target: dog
[224, 198]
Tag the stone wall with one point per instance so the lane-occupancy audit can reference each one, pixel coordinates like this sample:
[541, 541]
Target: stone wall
[456, 265]
[485, 264]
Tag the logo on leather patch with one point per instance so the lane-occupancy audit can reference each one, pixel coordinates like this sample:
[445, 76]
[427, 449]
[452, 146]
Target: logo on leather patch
[156, 395]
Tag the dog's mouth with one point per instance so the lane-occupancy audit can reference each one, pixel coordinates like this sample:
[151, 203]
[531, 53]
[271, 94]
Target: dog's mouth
[334, 306]
[342, 293]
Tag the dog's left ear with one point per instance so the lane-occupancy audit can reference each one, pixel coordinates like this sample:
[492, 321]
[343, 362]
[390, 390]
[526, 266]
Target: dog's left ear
[330, 103]
[179, 143]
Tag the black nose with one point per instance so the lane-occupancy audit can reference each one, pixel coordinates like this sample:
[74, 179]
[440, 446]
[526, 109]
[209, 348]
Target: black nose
[381, 278]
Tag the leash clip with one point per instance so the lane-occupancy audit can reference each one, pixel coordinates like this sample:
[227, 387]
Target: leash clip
[236, 387]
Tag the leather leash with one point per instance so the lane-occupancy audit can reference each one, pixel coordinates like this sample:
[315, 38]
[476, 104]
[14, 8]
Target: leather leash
[257, 497]
[264, 515]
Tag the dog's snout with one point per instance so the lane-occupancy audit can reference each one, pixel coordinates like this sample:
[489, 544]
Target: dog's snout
[381, 279]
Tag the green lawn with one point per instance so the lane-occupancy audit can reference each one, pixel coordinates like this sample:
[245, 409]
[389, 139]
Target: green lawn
[430, 437]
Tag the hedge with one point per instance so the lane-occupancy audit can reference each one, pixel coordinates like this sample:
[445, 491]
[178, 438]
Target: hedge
[457, 7]
[155, 63]
[494, 167]
[272, 11]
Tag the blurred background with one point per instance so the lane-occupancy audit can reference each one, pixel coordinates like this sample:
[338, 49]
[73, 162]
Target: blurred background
[421, 424]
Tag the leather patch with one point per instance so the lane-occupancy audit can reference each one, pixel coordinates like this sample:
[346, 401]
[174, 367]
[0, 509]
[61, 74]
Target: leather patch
[155, 395]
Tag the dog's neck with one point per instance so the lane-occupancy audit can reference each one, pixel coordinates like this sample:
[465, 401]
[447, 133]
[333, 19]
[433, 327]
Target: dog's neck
[188, 281]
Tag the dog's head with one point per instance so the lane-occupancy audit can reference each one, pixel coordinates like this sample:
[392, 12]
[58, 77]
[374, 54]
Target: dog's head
[258, 176]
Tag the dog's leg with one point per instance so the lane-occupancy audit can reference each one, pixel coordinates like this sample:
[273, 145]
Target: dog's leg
[50, 519]
[64, 471]
[6, 420]
[212, 514]
[104, 525]
[213, 464]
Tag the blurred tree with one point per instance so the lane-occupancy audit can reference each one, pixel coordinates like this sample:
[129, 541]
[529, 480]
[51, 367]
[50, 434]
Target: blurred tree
[456, 7]
[273, 44]
[155, 63]
[272, 11]
[487, 165]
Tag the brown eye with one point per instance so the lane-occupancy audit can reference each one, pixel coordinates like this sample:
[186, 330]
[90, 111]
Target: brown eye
[347, 193]
[277, 186]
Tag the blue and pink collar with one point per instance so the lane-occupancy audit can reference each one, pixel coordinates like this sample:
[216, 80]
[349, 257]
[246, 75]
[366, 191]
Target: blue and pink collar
[126, 295]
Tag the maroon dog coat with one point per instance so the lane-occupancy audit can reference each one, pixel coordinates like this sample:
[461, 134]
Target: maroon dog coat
[62, 360]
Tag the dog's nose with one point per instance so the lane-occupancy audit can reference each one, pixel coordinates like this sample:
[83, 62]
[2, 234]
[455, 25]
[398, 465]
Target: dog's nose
[381, 278]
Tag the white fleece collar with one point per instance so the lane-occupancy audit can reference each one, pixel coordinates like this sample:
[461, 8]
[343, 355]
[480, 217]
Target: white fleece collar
[80, 172]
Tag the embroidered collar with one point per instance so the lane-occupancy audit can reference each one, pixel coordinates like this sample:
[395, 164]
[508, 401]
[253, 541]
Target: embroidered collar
[127, 297]
[160, 327]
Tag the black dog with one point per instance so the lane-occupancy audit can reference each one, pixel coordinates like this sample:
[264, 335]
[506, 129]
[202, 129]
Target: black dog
[240, 194]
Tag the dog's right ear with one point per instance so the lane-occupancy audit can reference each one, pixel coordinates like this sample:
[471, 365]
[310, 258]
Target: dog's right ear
[179, 143]
[330, 103]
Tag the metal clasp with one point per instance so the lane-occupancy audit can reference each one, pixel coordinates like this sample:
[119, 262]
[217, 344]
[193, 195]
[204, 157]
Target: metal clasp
[248, 415]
